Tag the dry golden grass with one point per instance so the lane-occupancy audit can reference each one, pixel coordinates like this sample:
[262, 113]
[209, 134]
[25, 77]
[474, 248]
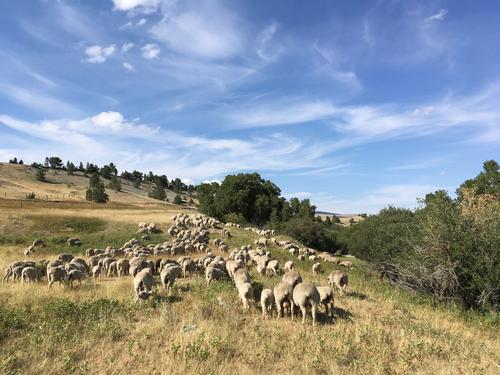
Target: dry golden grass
[96, 329]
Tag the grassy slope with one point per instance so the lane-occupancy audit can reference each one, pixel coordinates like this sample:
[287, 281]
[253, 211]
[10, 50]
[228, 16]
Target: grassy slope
[96, 329]
[18, 180]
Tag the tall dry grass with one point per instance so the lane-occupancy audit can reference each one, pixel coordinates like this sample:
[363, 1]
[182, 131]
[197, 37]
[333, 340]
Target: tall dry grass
[97, 329]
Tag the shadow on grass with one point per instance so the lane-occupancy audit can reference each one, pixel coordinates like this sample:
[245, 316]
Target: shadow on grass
[340, 313]
[357, 295]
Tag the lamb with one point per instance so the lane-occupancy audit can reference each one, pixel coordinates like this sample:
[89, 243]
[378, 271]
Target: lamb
[283, 296]
[245, 292]
[168, 276]
[56, 274]
[289, 266]
[292, 278]
[326, 299]
[316, 268]
[76, 275]
[31, 275]
[143, 281]
[266, 301]
[305, 294]
[338, 279]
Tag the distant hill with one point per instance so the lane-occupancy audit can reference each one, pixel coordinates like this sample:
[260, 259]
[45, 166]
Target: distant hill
[18, 180]
[344, 218]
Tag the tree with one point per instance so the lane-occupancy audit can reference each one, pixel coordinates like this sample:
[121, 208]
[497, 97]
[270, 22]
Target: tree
[177, 199]
[106, 171]
[96, 191]
[54, 162]
[115, 184]
[486, 182]
[157, 192]
[40, 174]
[80, 167]
[13, 161]
[113, 169]
[70, 167]
[21, 162]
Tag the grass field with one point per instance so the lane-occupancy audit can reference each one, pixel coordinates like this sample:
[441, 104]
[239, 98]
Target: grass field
[97, 329]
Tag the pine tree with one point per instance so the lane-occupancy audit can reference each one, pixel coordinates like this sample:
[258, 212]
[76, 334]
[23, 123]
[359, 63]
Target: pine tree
[40, 174]
[177, 199]
[158, 193]
[115, 184]
[70, 167]
[96, 191]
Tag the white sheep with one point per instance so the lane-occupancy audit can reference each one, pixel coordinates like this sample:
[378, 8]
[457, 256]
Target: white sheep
[292, 278]
[326, 299]
[338, 279]
[304, 295]
[76, 275]
[168, 276]
[283, 297]
[266, 301]
[31, 275]
[316, 268]
[289, 265]
[143, 281]
[245, 292]
[56, 274]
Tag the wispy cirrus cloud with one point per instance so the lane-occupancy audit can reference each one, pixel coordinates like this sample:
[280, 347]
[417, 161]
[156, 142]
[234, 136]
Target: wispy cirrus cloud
[439, 16]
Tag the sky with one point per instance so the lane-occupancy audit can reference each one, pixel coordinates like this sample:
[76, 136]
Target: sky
[353, 104]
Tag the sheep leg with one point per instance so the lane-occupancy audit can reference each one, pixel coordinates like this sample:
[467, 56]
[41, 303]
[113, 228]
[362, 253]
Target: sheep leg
[313, 313]
[304, 312]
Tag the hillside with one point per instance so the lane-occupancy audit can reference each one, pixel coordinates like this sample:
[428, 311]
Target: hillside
[96, 328]
[18, 180]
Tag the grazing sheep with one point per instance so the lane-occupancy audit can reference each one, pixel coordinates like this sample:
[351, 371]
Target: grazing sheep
[316, 268]
[143, 281]
[232, 266]
[274, 267]
[292, 278]
[65, 258]
[96, 271]
[289, 266]
[122, 267]
[338, 279]
[112, 269]
[266, 301]
[188, 266]
[245, 292]
[346, 263]
[301, 257]
[214, 273]
[326, 298]
[76, 275]
[305, 294]
[56, 274]
[31, 275]
[17, 273]
[241, 276]
[168, 276]
[283, 297]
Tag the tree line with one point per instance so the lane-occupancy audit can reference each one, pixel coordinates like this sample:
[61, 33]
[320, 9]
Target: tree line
[448, 247]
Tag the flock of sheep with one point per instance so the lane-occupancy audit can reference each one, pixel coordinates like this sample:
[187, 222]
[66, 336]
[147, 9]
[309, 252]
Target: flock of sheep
[191, 234]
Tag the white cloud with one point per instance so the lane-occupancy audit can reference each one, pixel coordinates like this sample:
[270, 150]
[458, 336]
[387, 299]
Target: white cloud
[267, 50]
[40, 102]
[141, 6]
[200, 29]
[439, 16]
[131, 25]
[282, 113]
[141, 22]
[187, 181]
[150, 51]
[97, 54]
[128, 66]
[328, 64]
[127, 47]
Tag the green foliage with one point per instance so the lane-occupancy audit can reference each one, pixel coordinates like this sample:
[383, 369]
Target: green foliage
[96, 191]
[54, 162]
[486, 182]
[30, 196]
[115, 184]
[177, 199]
[70, 168]
[384, 236]
[40, 174]
[157, 192]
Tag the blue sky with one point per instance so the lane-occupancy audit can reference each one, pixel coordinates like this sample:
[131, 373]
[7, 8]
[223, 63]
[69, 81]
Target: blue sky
[353, 104]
